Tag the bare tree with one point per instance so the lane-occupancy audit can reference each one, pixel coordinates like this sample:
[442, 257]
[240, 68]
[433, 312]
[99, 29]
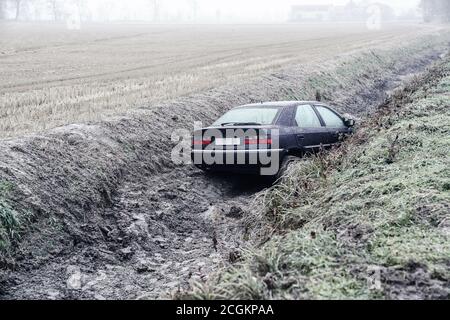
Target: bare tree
[18, 5]
[2, 9]
[54, 7]
[218, 15]
[156, 9]
[82, 6]
[194, 7]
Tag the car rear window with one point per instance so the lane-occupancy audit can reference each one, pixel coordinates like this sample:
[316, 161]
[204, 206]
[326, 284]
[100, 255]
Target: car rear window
[249, 115]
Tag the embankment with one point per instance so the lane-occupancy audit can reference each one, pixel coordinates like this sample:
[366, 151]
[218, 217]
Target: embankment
[370, 220]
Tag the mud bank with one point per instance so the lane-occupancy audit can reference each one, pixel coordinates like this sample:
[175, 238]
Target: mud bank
[105, 213]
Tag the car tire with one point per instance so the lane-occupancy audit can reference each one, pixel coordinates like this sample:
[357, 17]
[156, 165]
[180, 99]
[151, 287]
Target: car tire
[284, 166]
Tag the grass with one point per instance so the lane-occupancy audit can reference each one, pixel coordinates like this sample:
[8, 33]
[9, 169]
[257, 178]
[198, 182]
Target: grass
[9, 220]
[369, 220]
[50, 76]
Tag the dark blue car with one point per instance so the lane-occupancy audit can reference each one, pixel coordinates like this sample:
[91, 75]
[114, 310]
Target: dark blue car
[263, 138]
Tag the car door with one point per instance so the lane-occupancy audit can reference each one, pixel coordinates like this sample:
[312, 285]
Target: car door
[308, 129]
[334, 124]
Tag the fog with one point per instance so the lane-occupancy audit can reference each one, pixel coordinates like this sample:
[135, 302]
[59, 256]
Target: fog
[193, 11]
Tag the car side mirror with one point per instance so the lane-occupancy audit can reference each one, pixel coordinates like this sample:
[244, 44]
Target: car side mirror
[349, 122]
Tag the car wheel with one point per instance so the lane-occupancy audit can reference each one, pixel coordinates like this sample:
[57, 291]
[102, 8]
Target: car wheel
[284, 166]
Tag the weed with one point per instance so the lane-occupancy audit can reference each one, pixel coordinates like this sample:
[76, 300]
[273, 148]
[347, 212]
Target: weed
[10, 223]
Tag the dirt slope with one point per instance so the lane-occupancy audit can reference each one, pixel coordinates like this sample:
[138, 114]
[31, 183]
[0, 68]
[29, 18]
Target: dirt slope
[103, 211]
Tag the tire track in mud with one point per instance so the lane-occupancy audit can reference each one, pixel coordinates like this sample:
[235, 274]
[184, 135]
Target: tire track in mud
[185, 224]
[162, 232]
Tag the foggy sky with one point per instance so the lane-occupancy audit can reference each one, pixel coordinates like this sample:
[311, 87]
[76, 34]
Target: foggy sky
[259, 11]
[238, 10]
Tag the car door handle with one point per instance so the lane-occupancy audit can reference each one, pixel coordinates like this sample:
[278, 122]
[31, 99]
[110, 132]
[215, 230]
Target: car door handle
[300, 136]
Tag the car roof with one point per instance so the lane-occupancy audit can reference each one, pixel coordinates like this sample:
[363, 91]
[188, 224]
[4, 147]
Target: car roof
[279, 104]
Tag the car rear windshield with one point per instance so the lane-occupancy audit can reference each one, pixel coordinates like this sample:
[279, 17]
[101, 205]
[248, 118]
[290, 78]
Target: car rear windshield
[262, 116]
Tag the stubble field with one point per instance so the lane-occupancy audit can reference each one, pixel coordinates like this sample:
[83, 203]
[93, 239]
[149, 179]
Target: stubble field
[51, 76]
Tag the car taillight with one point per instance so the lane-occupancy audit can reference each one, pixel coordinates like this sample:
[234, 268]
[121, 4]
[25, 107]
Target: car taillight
[203, 142]
[252, 141]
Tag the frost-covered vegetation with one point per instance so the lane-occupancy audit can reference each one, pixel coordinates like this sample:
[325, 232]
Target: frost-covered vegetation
[9, 221]
[368, 220]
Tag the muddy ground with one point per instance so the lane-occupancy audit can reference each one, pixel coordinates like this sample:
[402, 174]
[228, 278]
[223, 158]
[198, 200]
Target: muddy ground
[112, 218]
[160, 233]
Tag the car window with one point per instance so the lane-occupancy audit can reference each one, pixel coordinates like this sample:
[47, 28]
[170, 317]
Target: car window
[249, 115]
[306, 117]
[330, 118]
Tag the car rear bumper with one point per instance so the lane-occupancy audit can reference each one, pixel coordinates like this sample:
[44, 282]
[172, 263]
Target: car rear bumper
[238, 161]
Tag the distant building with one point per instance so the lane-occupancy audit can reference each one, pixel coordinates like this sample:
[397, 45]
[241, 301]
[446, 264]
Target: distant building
[351, 11]
[310, 13]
